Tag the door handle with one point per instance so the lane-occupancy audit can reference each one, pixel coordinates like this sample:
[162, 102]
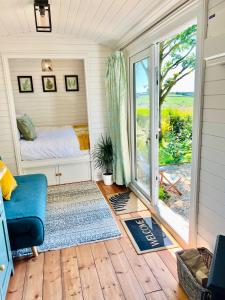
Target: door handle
[2, 268]
[147, 140]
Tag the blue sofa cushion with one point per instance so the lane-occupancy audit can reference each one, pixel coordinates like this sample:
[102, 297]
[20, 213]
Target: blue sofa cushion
[25, 212]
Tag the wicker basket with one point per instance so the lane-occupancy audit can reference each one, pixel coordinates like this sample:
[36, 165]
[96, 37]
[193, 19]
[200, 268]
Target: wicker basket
[186, 279]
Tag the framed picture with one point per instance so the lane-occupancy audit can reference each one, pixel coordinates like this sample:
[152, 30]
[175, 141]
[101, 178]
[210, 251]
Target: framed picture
[25, 84]
[49, 83]
[72, 84]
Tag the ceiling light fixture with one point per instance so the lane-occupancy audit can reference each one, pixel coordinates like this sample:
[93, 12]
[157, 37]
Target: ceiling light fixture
[42, 16]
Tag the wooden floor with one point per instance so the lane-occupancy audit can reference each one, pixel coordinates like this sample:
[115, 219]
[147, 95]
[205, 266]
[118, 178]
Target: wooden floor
[105, 270]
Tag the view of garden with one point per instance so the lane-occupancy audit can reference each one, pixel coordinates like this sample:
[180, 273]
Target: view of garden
[176, 127]
[176, 97]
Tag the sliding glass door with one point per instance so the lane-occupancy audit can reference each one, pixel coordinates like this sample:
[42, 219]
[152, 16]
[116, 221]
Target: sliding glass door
[140, 66]
[162, 81]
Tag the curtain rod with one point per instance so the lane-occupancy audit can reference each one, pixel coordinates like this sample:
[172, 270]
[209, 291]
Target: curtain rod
[155, 24]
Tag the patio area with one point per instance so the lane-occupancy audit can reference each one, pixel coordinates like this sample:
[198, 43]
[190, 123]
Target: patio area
[180, 204]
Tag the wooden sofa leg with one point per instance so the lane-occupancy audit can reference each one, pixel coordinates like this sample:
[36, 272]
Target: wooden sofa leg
[35, 251]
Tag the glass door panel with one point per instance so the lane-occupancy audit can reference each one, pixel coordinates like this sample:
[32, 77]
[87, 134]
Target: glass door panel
[141, 116]
[176, 102]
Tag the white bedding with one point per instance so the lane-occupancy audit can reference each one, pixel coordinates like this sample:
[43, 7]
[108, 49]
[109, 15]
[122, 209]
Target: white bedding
[52, 142]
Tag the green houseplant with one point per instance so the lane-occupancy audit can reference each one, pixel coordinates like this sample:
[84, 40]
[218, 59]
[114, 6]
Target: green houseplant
[103, 158]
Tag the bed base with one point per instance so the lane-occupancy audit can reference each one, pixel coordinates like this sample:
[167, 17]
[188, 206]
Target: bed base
[60, 171]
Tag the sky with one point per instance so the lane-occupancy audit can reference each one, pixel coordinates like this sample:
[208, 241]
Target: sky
[184, 85]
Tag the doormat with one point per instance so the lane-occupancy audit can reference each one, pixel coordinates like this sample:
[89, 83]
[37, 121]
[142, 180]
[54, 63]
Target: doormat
[147, 235]
[125, 203]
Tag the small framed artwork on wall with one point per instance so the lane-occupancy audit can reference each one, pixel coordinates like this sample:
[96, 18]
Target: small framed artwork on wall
[25, 84]
[72, 84]
[49, 83]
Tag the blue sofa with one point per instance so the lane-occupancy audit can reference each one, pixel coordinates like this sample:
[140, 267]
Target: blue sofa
[25, 212]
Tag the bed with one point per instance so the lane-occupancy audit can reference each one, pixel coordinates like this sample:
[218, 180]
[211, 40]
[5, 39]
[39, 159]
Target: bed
[56, 142]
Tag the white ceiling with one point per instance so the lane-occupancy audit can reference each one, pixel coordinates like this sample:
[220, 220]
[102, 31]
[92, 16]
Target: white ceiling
[102, 21]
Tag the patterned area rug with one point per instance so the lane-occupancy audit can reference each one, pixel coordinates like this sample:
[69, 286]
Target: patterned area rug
[125, 203]
[76, 214]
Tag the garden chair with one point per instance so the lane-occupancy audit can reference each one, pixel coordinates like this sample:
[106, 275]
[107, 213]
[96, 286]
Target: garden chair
[170, 182]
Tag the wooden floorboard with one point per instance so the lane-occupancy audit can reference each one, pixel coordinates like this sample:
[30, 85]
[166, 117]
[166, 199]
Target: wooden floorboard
[88, 274]
[70, 275]
[140, 268]
[52, 285]
[107, 276]
[17, 281]
[159, 295]
[34, 278]
[128, 281]
[105, 270]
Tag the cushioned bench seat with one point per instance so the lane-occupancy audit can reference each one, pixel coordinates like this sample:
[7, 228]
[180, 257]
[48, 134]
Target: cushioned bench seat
[25, 212]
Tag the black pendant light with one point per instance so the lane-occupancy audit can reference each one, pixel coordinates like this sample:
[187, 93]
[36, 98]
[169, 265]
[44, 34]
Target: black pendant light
[42, 16]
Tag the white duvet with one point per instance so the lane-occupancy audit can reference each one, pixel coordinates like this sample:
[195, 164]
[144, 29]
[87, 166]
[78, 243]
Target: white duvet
[52, 142]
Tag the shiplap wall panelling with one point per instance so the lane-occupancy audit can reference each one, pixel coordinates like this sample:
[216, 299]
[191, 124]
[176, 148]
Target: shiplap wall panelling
[213, 3]
[214, 45]
[48, 46]
[207, 192]
[214, 129]
[216, 24]
[211, 219]
[213, 154]
[50, 108]
[6, 145]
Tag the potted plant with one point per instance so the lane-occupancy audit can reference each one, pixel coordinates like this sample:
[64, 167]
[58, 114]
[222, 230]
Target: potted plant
[103, 158]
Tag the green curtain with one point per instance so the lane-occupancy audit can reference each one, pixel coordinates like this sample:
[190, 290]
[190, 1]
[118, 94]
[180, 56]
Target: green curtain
[117, 98]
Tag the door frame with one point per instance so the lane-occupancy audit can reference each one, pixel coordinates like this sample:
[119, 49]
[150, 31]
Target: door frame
[146, 53]
[199, 9]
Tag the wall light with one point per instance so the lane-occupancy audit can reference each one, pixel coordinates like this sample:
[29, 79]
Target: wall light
[46, 65]
[42, 16]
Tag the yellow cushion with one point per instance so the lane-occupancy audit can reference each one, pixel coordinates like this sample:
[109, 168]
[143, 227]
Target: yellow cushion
[82, 134]
[8, 182]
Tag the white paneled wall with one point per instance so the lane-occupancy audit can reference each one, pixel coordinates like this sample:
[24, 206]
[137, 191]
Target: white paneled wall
[47, 46]
[6, 140]
[51, 108]
[211, 219]
[216, 20]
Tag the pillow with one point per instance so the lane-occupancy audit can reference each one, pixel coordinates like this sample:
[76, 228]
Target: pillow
[8, 182]
[26, 127]
[18, 134]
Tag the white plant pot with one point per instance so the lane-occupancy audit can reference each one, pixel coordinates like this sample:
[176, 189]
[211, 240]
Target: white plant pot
[108, 179]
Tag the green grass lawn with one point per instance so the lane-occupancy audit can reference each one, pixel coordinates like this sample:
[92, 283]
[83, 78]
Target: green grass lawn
[172, 101]
[178, 102]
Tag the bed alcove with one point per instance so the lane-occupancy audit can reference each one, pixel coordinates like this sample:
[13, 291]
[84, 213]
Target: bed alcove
[49, 110]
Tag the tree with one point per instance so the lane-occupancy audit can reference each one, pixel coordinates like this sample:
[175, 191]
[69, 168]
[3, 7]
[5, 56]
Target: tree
[177, 60]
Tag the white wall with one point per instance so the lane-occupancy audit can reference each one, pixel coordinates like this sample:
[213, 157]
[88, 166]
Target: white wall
[50, 108]
[45, 46]
[216, 20]
[211, 218]
[6, 141]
